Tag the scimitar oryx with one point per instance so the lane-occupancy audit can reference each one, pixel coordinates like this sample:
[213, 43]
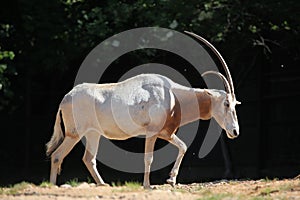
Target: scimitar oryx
[147, 104]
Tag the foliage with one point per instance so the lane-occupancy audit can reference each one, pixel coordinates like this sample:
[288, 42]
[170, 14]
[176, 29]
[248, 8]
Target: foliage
[46, 184]
[73, 182]
[133, 185]
[127, 187]
[51, 39]
[16, 188]
[116, 184]
[6, 68]
[89, 180]
[129, 184]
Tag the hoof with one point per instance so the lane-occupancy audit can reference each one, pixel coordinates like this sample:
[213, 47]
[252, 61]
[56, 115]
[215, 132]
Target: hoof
[148, 187]
[171, 181]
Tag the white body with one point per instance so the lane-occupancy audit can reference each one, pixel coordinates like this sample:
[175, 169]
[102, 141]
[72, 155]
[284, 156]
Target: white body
[137, 106]
[122, 110]
[147, 104]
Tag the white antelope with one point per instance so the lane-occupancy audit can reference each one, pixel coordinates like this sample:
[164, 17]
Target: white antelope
[147, 104]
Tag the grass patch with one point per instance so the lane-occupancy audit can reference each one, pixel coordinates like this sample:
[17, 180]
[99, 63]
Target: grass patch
[259, 198]
[267, 179]
[73, 182]
[205, 192]
[127, 187]
[133, 185]
[89, 180]
[267, 191]
[286, 187]
[216, 197]
[117, 184]
[182, 190]
[16, 188]
[46, 184]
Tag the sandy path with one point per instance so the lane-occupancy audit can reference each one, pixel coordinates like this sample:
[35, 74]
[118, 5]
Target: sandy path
[262, 189]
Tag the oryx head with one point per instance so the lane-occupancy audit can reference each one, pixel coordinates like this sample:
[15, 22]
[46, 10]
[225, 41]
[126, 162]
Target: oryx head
[224, 102]
[223, 107]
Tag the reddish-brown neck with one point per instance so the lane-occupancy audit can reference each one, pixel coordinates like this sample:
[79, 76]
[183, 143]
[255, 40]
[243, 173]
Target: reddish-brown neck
[204, 101]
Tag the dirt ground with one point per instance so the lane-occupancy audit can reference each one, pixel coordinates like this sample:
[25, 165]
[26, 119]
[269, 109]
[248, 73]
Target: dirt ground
[260, 189]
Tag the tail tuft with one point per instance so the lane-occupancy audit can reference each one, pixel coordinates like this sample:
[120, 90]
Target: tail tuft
[57, 136]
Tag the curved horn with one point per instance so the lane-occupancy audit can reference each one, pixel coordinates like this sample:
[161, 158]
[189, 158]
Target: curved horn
[219, 57]
[227, 86]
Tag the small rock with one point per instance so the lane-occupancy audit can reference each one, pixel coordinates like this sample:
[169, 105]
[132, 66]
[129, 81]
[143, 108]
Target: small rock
[92, 185]
[83, 185]
[66, 186]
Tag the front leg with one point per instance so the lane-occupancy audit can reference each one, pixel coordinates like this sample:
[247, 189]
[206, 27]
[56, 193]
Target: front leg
[182, 149]
[149, 147]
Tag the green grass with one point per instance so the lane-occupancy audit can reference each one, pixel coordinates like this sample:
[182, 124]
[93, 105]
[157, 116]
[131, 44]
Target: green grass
[127, 187]
[286, 187]
[73, 182]
[117, 184]
[267, 179]
[259, 198]
[133, 185]
[130, 184]
[16, 188]
[46, 184]
[268, 191]
[217, 197]
[182, 190]
[89, 180]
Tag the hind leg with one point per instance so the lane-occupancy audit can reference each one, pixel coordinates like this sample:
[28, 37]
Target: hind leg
[149, 147]
[59, 154]
[89, 158]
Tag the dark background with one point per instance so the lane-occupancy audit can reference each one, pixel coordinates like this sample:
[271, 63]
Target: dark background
[42, 44]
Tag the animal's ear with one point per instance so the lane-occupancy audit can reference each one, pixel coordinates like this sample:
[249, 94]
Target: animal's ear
[208, 92]
[238, 102]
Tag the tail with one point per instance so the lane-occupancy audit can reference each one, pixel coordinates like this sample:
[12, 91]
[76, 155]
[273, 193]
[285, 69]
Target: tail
[57, 136]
